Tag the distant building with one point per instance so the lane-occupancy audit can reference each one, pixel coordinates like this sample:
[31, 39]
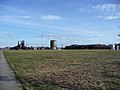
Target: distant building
[19, 46]
[53, 44]
[92, 46]
[113, 47]
[116, 46]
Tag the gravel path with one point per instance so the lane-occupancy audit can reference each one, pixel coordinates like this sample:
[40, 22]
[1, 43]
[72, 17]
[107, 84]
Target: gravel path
[7, 76]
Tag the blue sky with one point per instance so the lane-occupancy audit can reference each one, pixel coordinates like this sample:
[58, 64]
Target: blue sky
[67, 21]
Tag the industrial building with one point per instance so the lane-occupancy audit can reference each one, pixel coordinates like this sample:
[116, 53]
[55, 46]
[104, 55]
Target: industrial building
[19, 46]
[53, 44]
[116, 46]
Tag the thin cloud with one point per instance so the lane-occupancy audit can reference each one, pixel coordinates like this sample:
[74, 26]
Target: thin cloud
[24, 17]
[93, 35]
[112, 17]
[12, 9]
[27, 23]
[48, 36]
[6, 17]
[9, 33]
[5, 35]
[108, 8]
[51, 17]
[15, 17]
[94, 41]
[12, 19]
[109, 11]
[82, 9]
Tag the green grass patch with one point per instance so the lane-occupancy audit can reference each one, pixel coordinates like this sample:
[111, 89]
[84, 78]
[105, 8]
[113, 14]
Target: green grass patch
[66, 69]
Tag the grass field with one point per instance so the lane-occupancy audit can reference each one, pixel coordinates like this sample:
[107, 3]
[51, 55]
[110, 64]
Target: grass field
[66, 69]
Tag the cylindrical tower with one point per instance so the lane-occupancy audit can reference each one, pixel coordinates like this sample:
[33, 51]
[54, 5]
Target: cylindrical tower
[53, 44]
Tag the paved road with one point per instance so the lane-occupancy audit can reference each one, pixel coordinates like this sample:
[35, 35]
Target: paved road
[7, 76]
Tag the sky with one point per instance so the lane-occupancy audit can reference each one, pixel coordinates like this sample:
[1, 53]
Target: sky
[67, 21]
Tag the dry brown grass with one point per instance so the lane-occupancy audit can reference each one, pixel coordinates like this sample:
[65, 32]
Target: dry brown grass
[67, 69]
